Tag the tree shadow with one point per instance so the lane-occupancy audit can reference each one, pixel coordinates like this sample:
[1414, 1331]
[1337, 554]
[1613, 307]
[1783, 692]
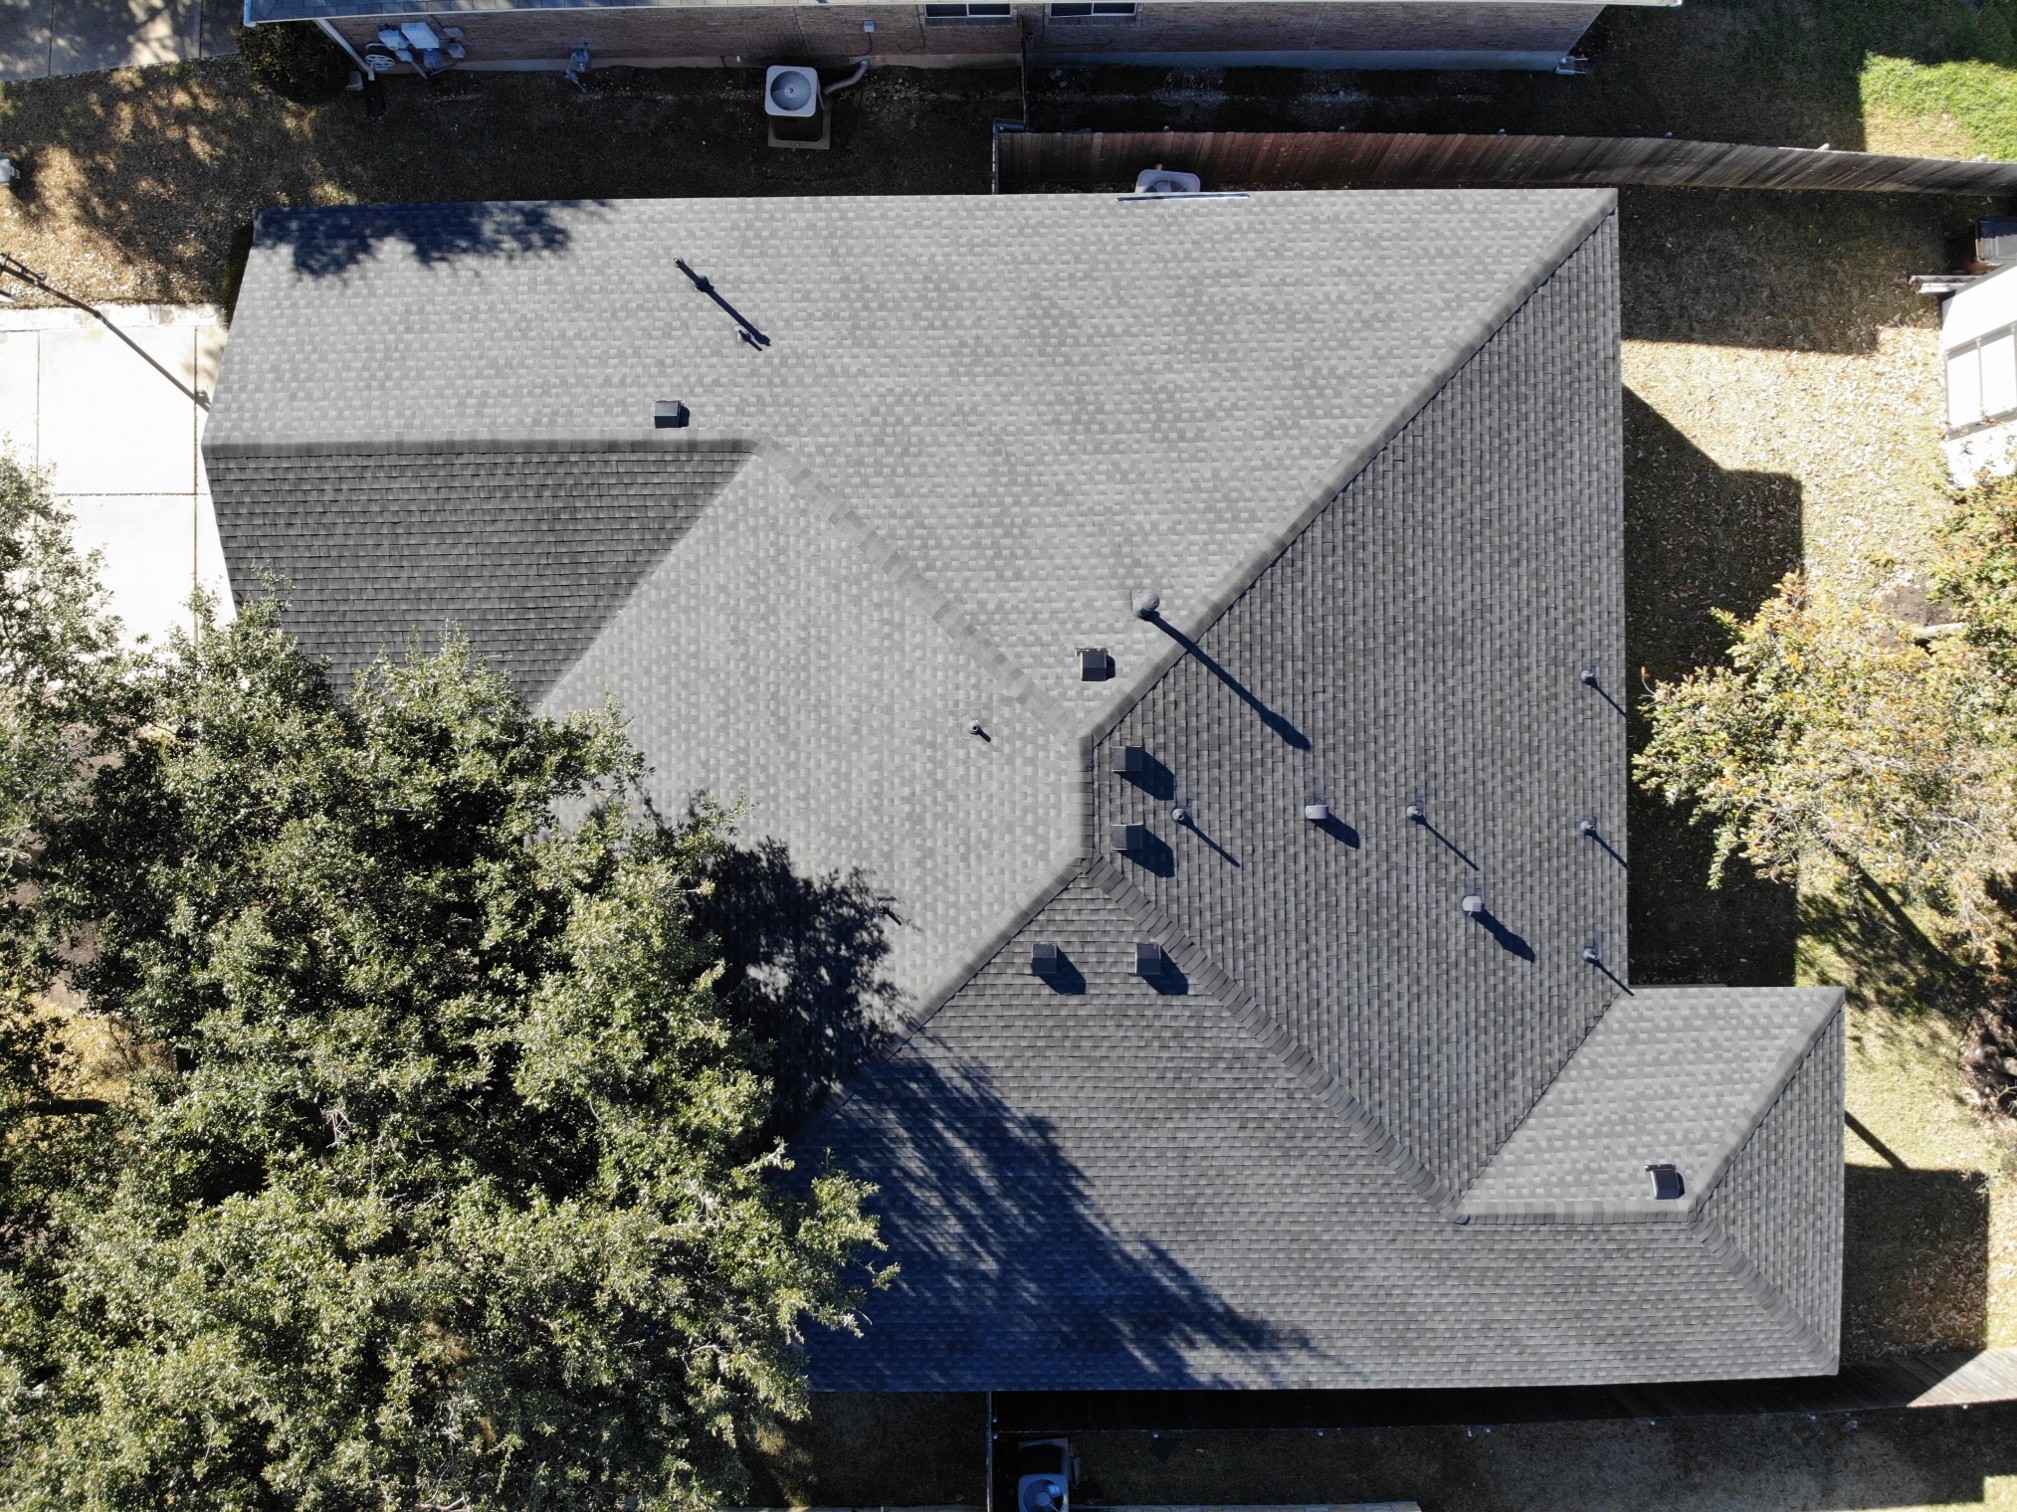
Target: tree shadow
[1698, 538]
[326, 241]
[109, 222]
[1009, 1270]
[804, 959]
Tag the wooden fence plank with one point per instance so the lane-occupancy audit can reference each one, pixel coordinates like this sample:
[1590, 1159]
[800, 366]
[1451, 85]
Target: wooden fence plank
[1347, 159]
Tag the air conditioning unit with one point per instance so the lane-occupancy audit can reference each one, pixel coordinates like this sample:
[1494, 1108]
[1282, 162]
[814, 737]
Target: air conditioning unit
[795, 107]
[1043, 1476]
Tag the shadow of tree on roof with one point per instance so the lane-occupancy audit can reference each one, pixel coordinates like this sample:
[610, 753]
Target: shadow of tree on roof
[324, 242]
[1010, 1272]
[805, 961]
[1007, 1262]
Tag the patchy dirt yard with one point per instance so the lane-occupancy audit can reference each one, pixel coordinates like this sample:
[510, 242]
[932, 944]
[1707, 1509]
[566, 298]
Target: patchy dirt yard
[1783, 407]
[141, 184]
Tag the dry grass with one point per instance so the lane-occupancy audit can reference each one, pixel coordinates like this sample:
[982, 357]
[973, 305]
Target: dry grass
[1784, 408]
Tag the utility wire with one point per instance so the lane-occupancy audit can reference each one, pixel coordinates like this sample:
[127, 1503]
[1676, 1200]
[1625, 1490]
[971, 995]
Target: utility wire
[18, 269]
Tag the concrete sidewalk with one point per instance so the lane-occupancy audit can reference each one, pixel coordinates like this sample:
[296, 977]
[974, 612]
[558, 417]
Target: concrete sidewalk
[121, 445]
[42, 38]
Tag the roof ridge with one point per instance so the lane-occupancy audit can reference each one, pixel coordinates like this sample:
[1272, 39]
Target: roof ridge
[1448, 363]
[1777, 1306]
[1551, 1209]
[910, 578]
[1240, 1001]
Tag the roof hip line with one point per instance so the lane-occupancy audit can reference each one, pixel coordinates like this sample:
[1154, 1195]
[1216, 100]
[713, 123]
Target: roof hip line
[907, 576]
[1448, 363]
[1240, 1001]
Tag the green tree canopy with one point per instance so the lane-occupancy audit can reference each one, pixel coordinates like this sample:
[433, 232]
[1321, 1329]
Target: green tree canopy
[447, 1185]
[1839, 734]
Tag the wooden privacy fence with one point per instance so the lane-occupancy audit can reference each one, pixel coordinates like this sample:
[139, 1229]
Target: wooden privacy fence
[1350, 159]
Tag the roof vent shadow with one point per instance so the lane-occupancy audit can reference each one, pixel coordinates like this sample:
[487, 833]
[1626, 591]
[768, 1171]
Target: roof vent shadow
[1050, 965]
[1143, 771]
[1154, 966]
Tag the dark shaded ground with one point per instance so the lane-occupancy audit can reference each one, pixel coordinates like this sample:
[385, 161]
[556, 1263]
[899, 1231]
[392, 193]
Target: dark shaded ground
[1772, 71]
[140, 182]
[1832, 1463]
[877, 1451]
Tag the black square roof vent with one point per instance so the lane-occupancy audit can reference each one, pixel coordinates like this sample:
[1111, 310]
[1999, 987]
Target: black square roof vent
[670, 414]
[1129, 838]
[1095, 664]
[1667, 1183]
[1044, 958]
[1151, 960]
[1131, 761]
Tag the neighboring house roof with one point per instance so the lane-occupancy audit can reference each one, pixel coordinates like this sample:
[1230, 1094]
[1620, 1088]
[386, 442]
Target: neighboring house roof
[1366, 447]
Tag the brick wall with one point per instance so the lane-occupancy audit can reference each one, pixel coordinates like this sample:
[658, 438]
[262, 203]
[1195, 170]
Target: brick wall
[782, 33]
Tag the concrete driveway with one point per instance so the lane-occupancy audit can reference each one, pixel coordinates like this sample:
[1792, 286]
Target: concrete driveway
[41, 38]
[121, 445]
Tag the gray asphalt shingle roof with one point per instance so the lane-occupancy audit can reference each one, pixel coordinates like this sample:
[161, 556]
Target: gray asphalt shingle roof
[1357, 1137]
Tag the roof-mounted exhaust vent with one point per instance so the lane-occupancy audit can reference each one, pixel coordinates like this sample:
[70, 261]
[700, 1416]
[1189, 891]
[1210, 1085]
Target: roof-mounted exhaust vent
[1045, 958]
[1316, 811]
[1130, 839]
[1592, 956]
[1473, 904]
[1132, 761]
[1167, 181]
[1147, 603]
[1096, 664]
[1151, 960]
[1667, 1183]
[1417, 814]
[1588, 677]
[1587, 829]
[670, 414]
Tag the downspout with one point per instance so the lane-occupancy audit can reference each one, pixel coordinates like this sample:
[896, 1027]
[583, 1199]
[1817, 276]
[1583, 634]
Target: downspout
[329, 30]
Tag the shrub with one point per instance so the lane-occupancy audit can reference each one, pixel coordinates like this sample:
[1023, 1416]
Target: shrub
[294, 59]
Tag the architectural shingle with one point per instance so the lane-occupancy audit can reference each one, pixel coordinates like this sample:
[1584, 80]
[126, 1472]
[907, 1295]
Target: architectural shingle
[1366, 449]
